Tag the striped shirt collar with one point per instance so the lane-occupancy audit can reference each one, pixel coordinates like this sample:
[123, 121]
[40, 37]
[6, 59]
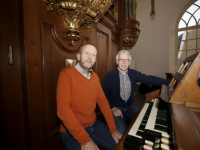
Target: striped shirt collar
[78, 67]
[120, 73]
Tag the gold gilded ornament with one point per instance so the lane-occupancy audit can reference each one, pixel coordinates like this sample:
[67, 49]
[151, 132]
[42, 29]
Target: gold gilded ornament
[78, 12]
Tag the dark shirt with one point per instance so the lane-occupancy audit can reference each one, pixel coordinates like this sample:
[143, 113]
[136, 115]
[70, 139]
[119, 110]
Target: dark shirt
[111, 86]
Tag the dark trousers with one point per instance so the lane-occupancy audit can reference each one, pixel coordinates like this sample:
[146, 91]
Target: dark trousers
[128, 115]
[99, 133]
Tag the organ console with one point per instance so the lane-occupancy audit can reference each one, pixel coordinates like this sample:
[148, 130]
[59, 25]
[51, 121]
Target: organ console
[171, 120]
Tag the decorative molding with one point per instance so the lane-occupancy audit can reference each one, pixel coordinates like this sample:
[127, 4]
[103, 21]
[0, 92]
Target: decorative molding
[111, 17]
[129, 33]
[129, 42]
[106, 24]
[78, 12]
[55, 37]
[116, 30]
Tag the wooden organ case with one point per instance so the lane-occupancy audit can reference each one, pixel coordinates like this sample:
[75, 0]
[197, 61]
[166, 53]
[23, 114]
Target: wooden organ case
[183, 99]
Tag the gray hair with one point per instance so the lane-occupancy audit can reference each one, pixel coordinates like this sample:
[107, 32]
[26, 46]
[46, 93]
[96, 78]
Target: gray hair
[80, 50]
[123, 51]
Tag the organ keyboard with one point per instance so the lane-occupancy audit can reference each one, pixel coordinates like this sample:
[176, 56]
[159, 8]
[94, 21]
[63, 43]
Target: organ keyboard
[151, 127]
[173, 121]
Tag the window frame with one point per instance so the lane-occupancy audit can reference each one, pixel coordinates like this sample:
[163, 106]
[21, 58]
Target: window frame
[187, 28]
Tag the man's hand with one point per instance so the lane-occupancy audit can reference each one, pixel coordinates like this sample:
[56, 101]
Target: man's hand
[117, 136]
[117, 112]
[89, 146]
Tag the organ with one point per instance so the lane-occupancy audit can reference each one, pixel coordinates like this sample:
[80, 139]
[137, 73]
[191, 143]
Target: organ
[172, 119]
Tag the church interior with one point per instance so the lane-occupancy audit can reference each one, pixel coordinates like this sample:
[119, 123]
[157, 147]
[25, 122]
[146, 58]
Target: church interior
[41, 37]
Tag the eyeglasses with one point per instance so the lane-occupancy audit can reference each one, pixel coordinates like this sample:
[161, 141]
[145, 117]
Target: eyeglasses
[121, 60]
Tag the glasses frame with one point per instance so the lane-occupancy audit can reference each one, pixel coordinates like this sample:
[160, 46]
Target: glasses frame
[122, 60]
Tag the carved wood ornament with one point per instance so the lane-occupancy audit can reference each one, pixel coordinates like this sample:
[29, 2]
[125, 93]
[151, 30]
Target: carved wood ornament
[129, 25]
[78, 12]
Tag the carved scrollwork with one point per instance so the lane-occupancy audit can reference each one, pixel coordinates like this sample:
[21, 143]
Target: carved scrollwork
[129, 42]
[78, 12]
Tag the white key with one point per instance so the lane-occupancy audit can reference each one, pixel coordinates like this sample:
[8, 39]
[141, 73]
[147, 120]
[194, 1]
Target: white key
[138, 121]
[145, 147]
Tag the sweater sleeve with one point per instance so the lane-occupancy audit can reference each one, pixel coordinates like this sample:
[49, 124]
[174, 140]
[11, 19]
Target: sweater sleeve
[105, 109]
[64, 111]
[106, 88]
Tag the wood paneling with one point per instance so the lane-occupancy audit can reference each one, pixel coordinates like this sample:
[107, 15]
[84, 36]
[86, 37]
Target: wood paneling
[28, 87]
[102, 47]
[53, 62]
[115, 49]
[11, 107]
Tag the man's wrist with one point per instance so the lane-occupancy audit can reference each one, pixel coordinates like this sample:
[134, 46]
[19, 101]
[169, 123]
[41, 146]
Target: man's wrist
[113, 108]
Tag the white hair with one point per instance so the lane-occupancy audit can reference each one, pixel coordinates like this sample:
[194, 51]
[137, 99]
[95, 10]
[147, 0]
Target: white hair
[123, 51]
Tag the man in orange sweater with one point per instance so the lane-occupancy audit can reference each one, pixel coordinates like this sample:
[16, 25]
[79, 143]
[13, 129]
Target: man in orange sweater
[78, 91]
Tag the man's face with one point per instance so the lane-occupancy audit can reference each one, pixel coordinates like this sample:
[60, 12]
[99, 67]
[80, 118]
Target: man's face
[87, 58]
[123, 62]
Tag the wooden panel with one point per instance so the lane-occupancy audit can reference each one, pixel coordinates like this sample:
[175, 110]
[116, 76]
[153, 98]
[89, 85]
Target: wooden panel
[102, 56]
[195, 114]
[11, 102]
[53, 62]
[188, 89]
[152, 95]
[115, 49]
[184, 128]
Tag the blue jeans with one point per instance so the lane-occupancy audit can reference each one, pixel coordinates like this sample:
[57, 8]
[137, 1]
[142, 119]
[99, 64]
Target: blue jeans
[99, 133]
[129, 114]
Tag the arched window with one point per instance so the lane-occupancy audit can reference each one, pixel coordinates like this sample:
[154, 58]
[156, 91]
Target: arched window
[189, 32]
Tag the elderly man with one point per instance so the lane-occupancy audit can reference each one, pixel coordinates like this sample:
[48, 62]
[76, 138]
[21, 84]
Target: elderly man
[78, 91]
[119, 86]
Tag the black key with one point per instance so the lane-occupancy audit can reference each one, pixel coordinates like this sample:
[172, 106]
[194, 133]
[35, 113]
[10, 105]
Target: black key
[151, 135]
[141, 127]
[133, 143]
[139, 133]
[144, 122]
[145, 118]
[161, 128]
[161, 122]
[162, 118]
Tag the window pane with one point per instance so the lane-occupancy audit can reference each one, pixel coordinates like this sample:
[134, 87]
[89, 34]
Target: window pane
[181, 24]
[192, 9]
[192, 22]
[191, 44]
[198, 2]
[198, 43]
[186, 17]
[182, 45]
[197, 15]
[182, 55]
[180, 34]
[191, 34]
[189, 39]
[191, 52]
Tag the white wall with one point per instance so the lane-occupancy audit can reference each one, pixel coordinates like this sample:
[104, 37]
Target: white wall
[154, 52]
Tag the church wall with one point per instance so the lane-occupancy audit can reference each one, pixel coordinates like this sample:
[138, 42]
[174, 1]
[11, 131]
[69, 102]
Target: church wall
[154, 52]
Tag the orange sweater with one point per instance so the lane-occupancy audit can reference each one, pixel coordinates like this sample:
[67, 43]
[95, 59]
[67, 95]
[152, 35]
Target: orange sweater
[76, 102]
